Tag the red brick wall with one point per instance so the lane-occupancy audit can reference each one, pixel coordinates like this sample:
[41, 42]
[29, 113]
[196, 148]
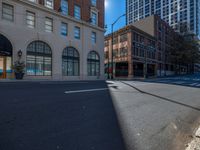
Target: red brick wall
[85, 9]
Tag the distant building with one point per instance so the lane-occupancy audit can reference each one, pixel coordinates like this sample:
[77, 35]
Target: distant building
[181, 15]
[142, 48]
[166, 40]
[59, 39]
[131, 49]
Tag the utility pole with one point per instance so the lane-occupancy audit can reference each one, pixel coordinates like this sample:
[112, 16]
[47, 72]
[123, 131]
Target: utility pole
[112, 62]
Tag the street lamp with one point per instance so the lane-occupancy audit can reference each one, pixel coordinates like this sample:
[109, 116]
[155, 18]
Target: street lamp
[112, 41]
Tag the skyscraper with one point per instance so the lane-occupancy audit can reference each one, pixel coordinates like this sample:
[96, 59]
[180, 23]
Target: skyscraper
[182, 15]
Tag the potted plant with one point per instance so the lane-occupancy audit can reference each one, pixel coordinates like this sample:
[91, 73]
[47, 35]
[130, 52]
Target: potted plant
[18, 68]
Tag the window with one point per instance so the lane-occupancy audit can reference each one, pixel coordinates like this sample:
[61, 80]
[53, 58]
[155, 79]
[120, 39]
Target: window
[48, 24]
[39, 59]
[32, 1]
[123, 37]
[64, 29]
[77, 33]
[93, 18]
[77, 12]
[115, 40]
[49, 3]
[93, 64]
[64, 7]
[70, 62]
[94, 2]
[30, 19]
[94, 37]
[123, 52]
[7, 12]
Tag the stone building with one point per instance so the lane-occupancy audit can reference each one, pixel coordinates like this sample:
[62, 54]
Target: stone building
[59, 39]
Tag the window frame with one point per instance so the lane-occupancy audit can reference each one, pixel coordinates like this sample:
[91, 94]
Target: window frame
[65, 13]
[67, 59]
[94, 39]
[38, 50]
[93, 62]
[77, 11]
[94, 22]
[34, 19]
[47, 25]
[61, 29]
[92, 2]
[3, 12]
[47, 5]
[76, 28]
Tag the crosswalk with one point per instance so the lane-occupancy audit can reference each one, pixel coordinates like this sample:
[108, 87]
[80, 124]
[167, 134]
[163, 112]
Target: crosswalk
[184, 82]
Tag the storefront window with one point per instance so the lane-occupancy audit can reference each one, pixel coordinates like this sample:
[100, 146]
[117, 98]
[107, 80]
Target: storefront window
[39, 59]
[70, 62]
[93, 64]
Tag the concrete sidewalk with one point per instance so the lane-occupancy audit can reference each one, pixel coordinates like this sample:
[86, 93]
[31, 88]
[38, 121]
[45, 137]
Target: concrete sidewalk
[155, 116]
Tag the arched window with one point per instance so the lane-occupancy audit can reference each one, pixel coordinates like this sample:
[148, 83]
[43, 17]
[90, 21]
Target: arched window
[93, 64]
[39, 59]
[70, 62]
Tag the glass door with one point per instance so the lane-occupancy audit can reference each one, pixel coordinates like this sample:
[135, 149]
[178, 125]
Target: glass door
[2, 67]
[5, 67]
[8, 69]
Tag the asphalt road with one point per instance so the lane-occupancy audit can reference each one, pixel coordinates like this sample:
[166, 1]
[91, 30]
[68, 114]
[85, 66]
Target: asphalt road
[40, 116]
[157, 114]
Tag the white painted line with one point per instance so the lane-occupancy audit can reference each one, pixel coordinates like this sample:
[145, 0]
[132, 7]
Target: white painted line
[179, 82]
[198, 85]
[62, 82]
[194, 84]
[83, 91]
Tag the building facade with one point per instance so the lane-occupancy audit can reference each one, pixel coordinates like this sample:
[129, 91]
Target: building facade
[182, 15]
[59, 39]
[166, 41]
[148, 44]
[134, 53]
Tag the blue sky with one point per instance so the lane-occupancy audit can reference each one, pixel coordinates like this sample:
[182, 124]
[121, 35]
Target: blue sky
[114, 9]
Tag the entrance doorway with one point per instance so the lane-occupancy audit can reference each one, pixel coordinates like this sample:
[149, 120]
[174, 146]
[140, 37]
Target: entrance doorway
[5, 58]
[5, 67]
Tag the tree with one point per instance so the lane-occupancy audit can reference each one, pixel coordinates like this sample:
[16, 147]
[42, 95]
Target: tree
[186, 52]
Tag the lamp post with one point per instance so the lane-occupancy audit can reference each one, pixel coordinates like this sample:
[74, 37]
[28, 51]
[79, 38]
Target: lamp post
[112, 41]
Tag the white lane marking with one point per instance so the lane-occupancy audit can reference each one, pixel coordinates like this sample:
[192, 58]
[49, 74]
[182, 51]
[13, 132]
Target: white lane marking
[194, 84]
[60, 82]
[198, 85]
[83, 91]
[179, 82]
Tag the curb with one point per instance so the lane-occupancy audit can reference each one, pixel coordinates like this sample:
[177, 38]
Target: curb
[195, 143]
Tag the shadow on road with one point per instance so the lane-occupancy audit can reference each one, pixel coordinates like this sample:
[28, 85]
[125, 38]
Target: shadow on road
[37, 116]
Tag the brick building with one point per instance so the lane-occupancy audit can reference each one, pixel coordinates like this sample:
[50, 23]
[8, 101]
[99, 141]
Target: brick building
[166, 41]
[134, 52]
[147, 45]
[59, 39]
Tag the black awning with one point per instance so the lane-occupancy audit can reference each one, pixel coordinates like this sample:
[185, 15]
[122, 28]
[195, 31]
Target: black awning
[5, 46]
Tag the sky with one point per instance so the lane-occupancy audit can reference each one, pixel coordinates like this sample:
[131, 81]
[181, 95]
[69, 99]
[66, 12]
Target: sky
[114, 9]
